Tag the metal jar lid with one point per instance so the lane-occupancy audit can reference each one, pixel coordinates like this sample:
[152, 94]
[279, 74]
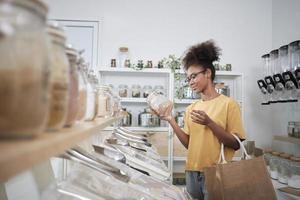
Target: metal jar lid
[37, 6]
[56, 32]
[70, 50]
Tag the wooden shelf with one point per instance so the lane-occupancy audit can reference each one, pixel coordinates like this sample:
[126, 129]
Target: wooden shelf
[20, 155]
[287, 139]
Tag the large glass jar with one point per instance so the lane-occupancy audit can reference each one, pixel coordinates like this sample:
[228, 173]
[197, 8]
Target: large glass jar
[105, 105]
[24, 73]
[59, 82]
[73, 86]
[147, 89]
[123, 90]
[297, 130]
[136, 91]
[284, 169]
[160, 89]
[91, 104]
[274, 163]
[82, 88]
[123, 57]
[294, 180]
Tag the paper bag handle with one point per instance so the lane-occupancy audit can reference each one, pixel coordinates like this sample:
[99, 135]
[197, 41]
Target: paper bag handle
[222, 159]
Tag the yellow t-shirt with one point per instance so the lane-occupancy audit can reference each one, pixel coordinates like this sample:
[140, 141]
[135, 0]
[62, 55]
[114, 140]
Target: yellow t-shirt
[204, 147]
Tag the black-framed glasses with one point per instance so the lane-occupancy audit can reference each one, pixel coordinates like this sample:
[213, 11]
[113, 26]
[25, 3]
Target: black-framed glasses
[194, 75]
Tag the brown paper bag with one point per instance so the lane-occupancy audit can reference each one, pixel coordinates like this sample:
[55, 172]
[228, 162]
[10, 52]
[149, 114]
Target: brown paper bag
[239, 180]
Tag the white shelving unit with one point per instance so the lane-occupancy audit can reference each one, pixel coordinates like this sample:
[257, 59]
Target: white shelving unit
[146, 76]
[154, 76]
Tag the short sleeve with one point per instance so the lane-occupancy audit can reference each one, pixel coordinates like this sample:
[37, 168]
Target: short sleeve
[186, 128]
[234, 120]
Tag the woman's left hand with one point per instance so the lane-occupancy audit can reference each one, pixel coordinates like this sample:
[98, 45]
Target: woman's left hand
[200, 117]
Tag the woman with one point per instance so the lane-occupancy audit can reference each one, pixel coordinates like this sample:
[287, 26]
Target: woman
[209, 121]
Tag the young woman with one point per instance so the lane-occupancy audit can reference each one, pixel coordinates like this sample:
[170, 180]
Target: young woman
[209, 121]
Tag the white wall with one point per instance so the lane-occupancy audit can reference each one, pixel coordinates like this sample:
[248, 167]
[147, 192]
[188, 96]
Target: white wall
[154, 29]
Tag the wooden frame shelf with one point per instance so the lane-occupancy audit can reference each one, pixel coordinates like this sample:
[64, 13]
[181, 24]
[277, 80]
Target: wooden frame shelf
[22, 154]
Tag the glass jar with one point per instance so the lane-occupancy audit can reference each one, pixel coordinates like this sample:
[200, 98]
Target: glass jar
[91, 100]
[297, 130]
[105, 104]
[136, 91]
[123, 90]
[267, 158]
[126, 121]
[59, 81]
[294, 55]
[180, 118]
[274, 64]
[290, 129]
[123, 56]
[294, 179]
[24, 68]
[283, 59]
[113, 63]
[73, 86]
[274, 167]
[284, 168]
[160, 104]
[82, 88]
[147, 89]
[160, 89]
[116, 105]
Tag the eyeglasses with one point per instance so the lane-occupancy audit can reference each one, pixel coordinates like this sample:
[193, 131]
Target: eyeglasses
[194, 75]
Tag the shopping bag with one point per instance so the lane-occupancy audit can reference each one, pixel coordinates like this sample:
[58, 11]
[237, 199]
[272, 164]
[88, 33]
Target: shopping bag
[240, 180]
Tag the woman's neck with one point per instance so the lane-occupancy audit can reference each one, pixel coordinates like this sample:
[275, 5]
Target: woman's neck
[209, 93]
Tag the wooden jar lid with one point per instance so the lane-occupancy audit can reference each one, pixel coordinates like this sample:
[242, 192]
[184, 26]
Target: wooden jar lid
[275, 153]
[295, 158]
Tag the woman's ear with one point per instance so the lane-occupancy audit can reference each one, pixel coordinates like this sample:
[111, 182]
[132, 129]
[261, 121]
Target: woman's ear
[208, 73]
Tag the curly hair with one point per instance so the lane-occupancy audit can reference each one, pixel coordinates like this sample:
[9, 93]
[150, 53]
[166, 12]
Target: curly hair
[203, 54]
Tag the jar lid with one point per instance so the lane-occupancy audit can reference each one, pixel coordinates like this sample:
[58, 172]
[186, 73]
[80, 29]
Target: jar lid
[295, 43]
[70, 50]
[36, 5]
[274, 52]
[123, 49]
[55, 30]
[147, 87]
[268, 150]
[285, 155]
[295, 158]
[275, 153]
[291, 123]
[158, 87]
[136, 86]
[266, 56]
[123, 86]
[284, 47]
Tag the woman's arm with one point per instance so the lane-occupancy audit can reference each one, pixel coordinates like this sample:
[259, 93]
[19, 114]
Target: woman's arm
[182, 136]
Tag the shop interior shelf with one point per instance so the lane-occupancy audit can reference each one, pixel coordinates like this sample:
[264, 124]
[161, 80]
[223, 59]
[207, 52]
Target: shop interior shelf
[133, 100]
[22, 154]
[130, 70]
